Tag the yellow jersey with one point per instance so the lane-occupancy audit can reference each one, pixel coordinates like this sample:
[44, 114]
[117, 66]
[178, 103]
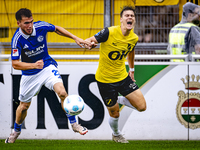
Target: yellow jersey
[113, 53]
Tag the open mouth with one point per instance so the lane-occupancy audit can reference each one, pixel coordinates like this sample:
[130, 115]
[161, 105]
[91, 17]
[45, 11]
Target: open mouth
[129, 23]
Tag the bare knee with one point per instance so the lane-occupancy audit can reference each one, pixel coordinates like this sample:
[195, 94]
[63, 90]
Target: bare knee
[60, 90]
[114, 113]
[62, 94]
[23, 106]
[142, 107]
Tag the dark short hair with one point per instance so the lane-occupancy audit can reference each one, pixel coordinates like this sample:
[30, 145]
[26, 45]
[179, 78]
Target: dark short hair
[23, 12]
[127, 8]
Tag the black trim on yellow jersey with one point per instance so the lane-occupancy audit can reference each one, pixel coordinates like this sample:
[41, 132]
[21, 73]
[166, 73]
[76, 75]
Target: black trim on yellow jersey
[102, 36]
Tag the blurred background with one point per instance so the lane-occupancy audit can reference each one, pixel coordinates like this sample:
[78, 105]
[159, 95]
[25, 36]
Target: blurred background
[84, 18]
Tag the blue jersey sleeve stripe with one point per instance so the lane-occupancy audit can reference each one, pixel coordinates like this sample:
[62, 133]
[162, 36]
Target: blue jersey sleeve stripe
[41, 24]
[15, 40]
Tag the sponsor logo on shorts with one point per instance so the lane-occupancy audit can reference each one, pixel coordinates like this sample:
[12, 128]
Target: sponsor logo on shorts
[109, 102]
[132, 86]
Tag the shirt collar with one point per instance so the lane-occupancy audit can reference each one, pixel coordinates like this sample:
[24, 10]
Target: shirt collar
[27, 36]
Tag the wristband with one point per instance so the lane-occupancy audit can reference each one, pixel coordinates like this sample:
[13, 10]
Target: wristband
[131, 69]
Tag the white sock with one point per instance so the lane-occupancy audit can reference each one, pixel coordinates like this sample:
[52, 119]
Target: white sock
[113, 122]
[124, 101]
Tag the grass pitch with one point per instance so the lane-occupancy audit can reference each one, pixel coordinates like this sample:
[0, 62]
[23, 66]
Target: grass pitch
[98, 145]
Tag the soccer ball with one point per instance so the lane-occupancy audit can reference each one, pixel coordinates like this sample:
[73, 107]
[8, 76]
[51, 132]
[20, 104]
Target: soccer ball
[73, 105]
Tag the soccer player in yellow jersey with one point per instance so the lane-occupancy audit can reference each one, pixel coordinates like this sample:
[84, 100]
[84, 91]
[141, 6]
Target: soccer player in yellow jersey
[117, 44]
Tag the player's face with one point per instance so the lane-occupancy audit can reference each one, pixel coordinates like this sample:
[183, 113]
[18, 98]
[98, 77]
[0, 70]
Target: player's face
[128, 19]
[26, 25]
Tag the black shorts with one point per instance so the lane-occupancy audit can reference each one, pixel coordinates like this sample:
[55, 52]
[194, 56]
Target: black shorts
[110, 91]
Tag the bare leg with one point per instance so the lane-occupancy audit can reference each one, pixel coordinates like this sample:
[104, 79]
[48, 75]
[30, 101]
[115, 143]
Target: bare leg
[137, 100]
[60, 90]
[21, 112]
[124, 101]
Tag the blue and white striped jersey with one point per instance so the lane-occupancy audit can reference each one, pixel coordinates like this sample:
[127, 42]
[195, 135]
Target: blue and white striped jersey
[32, 47]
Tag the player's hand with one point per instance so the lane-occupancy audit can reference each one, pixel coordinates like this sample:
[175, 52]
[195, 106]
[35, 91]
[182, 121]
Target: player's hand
[91, 45]
[81, 42]
[39, 64]
[131, 74]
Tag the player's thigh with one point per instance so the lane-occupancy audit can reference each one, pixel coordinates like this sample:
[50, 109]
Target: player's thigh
[137, 99]
[52, 77]
[29, 87]
[108, 93]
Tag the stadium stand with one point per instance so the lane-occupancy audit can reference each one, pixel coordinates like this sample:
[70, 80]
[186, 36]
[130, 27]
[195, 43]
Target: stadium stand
[84, 18]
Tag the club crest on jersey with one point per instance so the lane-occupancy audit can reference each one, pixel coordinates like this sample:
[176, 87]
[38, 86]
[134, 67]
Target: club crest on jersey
[40, 38]
[15, 52]
[188, 106]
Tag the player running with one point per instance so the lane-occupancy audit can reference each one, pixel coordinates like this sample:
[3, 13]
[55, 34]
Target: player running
[38, 68]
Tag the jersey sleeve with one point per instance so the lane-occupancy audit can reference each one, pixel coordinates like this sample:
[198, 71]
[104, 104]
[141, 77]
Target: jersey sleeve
[102, 36]
[134, 46]
[15, 49]
[47, 26]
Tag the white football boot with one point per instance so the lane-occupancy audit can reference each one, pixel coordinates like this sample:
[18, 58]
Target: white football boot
[78, 128]
[13, 136]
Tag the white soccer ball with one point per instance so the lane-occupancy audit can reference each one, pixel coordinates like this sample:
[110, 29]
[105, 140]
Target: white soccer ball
[73, 105]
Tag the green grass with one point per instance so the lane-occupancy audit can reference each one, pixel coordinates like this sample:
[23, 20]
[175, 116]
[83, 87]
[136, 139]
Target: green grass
[99, 145]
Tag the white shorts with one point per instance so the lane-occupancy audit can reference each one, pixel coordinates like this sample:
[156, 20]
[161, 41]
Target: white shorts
[30, 85]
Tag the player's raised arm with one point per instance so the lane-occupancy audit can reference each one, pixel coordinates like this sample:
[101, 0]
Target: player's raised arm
[61, 31]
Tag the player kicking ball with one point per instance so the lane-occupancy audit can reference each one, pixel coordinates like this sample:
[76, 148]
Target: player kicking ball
[38, 68]
[117, 43]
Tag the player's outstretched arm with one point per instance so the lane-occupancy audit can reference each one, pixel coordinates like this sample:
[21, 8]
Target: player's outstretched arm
[61, 31]
[18, 65]
[93, 42]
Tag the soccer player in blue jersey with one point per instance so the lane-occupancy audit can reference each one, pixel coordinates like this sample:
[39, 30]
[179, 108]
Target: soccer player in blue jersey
[38, 68]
